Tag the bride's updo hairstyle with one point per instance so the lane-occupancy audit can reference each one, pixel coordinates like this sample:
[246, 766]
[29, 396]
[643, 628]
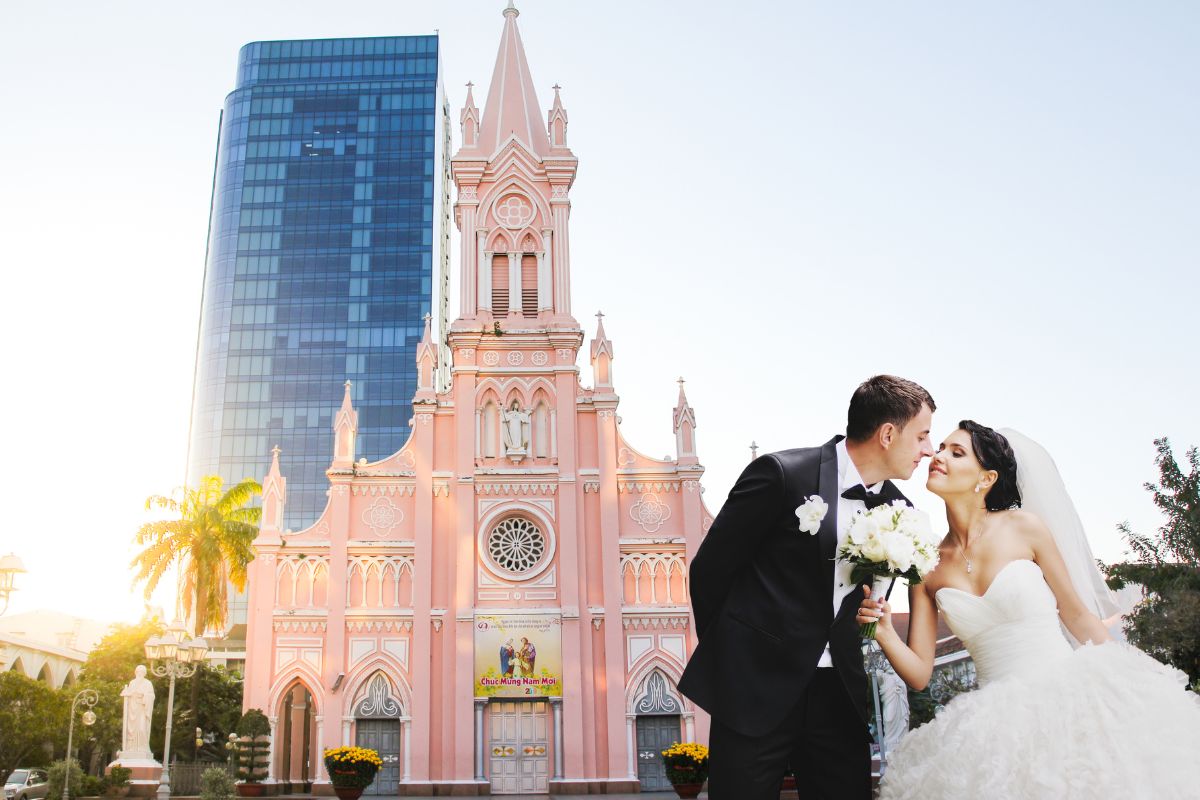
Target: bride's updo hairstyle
[993, 451]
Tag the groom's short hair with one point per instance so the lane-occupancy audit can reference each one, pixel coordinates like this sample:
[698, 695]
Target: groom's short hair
[884, 398]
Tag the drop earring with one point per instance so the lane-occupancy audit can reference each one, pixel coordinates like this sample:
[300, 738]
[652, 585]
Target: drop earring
[976, 488]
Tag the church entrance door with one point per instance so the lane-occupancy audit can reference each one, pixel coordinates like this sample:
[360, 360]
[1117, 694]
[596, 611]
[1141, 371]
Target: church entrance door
[655, 734]
[382, 736]
[519, 746]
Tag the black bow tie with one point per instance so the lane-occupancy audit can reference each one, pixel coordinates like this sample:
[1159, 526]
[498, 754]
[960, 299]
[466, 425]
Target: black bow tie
[872, 499]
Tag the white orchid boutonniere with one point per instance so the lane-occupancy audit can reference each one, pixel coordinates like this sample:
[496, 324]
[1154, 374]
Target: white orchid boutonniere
[810, 513]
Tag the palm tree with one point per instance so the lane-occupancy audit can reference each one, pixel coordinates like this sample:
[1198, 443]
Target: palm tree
[212, 538]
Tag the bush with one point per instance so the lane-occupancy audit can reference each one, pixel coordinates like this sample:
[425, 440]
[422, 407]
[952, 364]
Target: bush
[253, 746]
[92, 786]
[55, 776]
[216, 784]
[117, 778]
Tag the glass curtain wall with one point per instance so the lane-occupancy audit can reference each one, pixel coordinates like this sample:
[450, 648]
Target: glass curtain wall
[326, 248]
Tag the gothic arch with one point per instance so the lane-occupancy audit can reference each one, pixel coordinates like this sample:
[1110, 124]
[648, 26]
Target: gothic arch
[516, 184]
[44, 675]
[17, 666]
[296, 674]
[499, 243]
[524, 244]
[644, 693]
[378, 690]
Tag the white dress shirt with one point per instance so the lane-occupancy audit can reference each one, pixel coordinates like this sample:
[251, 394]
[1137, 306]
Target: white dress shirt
[846, 509]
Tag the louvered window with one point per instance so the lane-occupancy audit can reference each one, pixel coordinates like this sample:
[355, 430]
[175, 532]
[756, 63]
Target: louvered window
[529, 285]
[500, 284]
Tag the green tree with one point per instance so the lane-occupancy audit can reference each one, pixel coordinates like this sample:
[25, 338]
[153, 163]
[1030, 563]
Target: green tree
[1167, 565]
[212, 538]
[32, 716]
[215, 709]
[109, 666]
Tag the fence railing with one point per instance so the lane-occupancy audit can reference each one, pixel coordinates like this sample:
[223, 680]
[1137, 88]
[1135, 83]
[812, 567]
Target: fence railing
[185, 777]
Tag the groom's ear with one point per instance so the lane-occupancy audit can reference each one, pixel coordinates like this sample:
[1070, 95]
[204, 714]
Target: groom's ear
[886, 435]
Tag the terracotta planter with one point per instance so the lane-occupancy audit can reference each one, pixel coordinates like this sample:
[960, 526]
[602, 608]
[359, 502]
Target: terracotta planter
[250, 789]
[688, 789]
[348, 792]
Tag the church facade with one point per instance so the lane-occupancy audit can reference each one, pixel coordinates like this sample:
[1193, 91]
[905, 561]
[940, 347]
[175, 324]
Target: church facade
[500, 606]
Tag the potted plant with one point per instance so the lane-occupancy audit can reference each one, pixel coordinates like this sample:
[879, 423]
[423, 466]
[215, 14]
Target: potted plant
[687, 767]
[252, 752]
[116, 783]
[351, 769]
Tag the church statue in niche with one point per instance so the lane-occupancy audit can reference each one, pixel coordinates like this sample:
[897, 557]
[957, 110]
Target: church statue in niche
[514, 430]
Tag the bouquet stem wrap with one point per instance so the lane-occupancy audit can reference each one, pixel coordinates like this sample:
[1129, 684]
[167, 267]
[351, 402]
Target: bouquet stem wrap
[867, 630]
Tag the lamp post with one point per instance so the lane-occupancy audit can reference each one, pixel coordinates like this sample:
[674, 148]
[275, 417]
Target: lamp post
[87, 698]
[10, 565]
[173, 655]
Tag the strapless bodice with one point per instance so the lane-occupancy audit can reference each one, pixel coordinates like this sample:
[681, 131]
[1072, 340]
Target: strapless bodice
[1012, 628]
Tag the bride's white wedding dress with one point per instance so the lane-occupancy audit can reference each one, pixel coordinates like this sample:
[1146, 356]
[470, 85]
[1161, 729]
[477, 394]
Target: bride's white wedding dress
[1048, 721]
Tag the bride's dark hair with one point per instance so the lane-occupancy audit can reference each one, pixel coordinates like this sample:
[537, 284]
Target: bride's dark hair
[994, 452]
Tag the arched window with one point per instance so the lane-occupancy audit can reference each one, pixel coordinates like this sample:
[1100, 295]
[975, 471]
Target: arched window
[541, 431]
[491, 430]
[500, 284]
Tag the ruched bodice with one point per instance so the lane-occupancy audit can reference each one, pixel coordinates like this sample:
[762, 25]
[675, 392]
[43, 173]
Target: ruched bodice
[1012, 628]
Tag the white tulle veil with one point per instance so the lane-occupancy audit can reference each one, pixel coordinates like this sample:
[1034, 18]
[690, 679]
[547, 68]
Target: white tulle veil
[1043, 493]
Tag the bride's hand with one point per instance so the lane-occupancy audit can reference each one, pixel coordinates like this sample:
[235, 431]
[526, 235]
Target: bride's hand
[875, 611]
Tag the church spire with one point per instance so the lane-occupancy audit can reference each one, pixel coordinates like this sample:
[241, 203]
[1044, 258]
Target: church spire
[345, 429]
[512, 106]
[602, 356]
[468, 119]
[274, 496]
[684, 423]
[556, 122]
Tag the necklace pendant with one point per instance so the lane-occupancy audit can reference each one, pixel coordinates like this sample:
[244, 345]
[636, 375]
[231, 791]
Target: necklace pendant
[968, 566]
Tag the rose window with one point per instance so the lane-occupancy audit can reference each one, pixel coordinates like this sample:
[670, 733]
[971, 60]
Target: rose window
[516, 545]
[514, 211]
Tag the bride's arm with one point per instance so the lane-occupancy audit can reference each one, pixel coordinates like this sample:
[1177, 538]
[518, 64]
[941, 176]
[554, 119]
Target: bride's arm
[1082, 623]
[913, 661]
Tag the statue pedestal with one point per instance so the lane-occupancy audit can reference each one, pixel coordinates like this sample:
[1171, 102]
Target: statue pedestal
[146, 773]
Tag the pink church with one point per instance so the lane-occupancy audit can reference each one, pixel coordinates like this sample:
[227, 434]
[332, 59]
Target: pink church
[501, 606]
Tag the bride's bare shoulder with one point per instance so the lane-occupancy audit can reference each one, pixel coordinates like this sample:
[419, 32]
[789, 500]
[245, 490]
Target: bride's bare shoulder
[1020, 521]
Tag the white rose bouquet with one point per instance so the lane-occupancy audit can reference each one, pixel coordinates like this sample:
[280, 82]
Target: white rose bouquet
[890, 541]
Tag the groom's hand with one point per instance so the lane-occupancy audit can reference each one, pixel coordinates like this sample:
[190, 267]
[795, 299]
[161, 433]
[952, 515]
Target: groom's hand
[875, 611]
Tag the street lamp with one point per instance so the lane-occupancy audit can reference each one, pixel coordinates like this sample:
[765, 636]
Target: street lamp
[87, 698]
[10, 565]
[173, 655]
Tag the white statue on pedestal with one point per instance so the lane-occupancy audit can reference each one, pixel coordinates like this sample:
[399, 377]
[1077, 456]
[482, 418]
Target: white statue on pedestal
[139, 707]
[893, 693]
[515, 430]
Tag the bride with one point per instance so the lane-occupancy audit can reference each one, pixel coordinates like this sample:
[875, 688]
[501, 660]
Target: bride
[1018, 586]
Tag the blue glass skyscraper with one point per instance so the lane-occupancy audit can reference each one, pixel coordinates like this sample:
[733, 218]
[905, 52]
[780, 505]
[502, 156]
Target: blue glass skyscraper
[328, 243]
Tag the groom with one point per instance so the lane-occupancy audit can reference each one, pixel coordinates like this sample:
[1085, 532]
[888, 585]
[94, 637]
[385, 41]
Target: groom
[779, 665]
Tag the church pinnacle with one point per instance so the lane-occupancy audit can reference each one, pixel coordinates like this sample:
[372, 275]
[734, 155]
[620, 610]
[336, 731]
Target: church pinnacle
[512, 106]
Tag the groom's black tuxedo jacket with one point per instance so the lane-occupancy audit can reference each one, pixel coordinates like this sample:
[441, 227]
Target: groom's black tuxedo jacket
[762, 596]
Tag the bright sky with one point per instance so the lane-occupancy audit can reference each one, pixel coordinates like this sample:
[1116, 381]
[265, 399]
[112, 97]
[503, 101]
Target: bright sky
[774, 200]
